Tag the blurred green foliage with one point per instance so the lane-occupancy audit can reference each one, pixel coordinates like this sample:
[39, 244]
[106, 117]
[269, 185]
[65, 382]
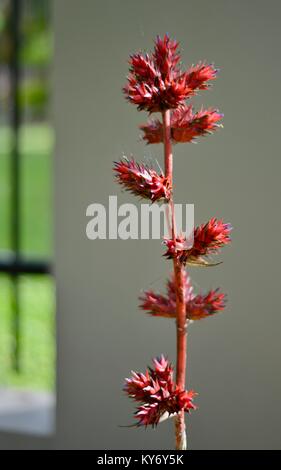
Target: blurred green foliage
[35, 57]
[37, 309]
[36, 39]
[37, 46]
[34, 94]
[37, 343]
[35, 145]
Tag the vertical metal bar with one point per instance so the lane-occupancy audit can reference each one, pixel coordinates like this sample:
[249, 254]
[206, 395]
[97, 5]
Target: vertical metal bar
[15, 172]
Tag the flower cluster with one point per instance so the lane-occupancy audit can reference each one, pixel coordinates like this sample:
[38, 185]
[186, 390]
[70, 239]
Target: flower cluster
[142, 180]
[157, 394]
[197, 306]
[186, 125]
[208, 239]
[156, 82]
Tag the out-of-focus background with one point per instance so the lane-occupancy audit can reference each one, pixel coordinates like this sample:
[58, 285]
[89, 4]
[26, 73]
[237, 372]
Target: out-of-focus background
[26, 231]
[234, 358]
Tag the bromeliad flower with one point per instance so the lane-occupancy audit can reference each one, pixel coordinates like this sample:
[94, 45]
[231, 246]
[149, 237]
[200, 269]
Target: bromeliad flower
[142, 180]
[158, 394]
[186, 125]
[197, 306]
[156, 82]
[209, 238]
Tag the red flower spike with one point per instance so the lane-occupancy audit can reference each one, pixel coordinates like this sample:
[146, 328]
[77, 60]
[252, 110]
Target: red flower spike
[159, 395]
[186, 126]
[142, 181]
[197, 306]
[208, 239]
[156, 83]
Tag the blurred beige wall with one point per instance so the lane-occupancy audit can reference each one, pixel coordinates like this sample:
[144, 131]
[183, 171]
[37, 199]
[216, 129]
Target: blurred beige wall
[233, 359]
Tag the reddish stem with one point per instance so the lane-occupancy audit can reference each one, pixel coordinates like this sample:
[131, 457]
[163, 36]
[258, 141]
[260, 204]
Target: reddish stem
[168, 144]
[180, 291]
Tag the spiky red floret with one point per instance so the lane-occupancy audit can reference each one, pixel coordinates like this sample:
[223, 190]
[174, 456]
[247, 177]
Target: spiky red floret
[138, 386]
[166, 56]
[158, 94]
[142, 180]
[186, 125]
[197, 306]
[208, 239]
[152, 131]
[156, 83]
[159, 410]
[176, 248]
[165, 306]
[162, 371]
[158, 394]
[142, 67]
[202, 306]
[199, 76]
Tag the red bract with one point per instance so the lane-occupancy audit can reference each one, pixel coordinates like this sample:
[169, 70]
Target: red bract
[160, 305]
[156, 83]
[186, 125]
[166, 56]
[202, 306]
[176, 248]
[158, 394]
[197, 306]
[142, 180]
[153, 131]
[208, 239]
[198, 76]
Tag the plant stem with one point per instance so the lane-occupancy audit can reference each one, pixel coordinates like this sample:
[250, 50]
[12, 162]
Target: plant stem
[168, 144]
[181, 350]
[180, 290]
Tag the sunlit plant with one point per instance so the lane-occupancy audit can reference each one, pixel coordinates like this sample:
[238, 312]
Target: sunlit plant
[158, 84]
